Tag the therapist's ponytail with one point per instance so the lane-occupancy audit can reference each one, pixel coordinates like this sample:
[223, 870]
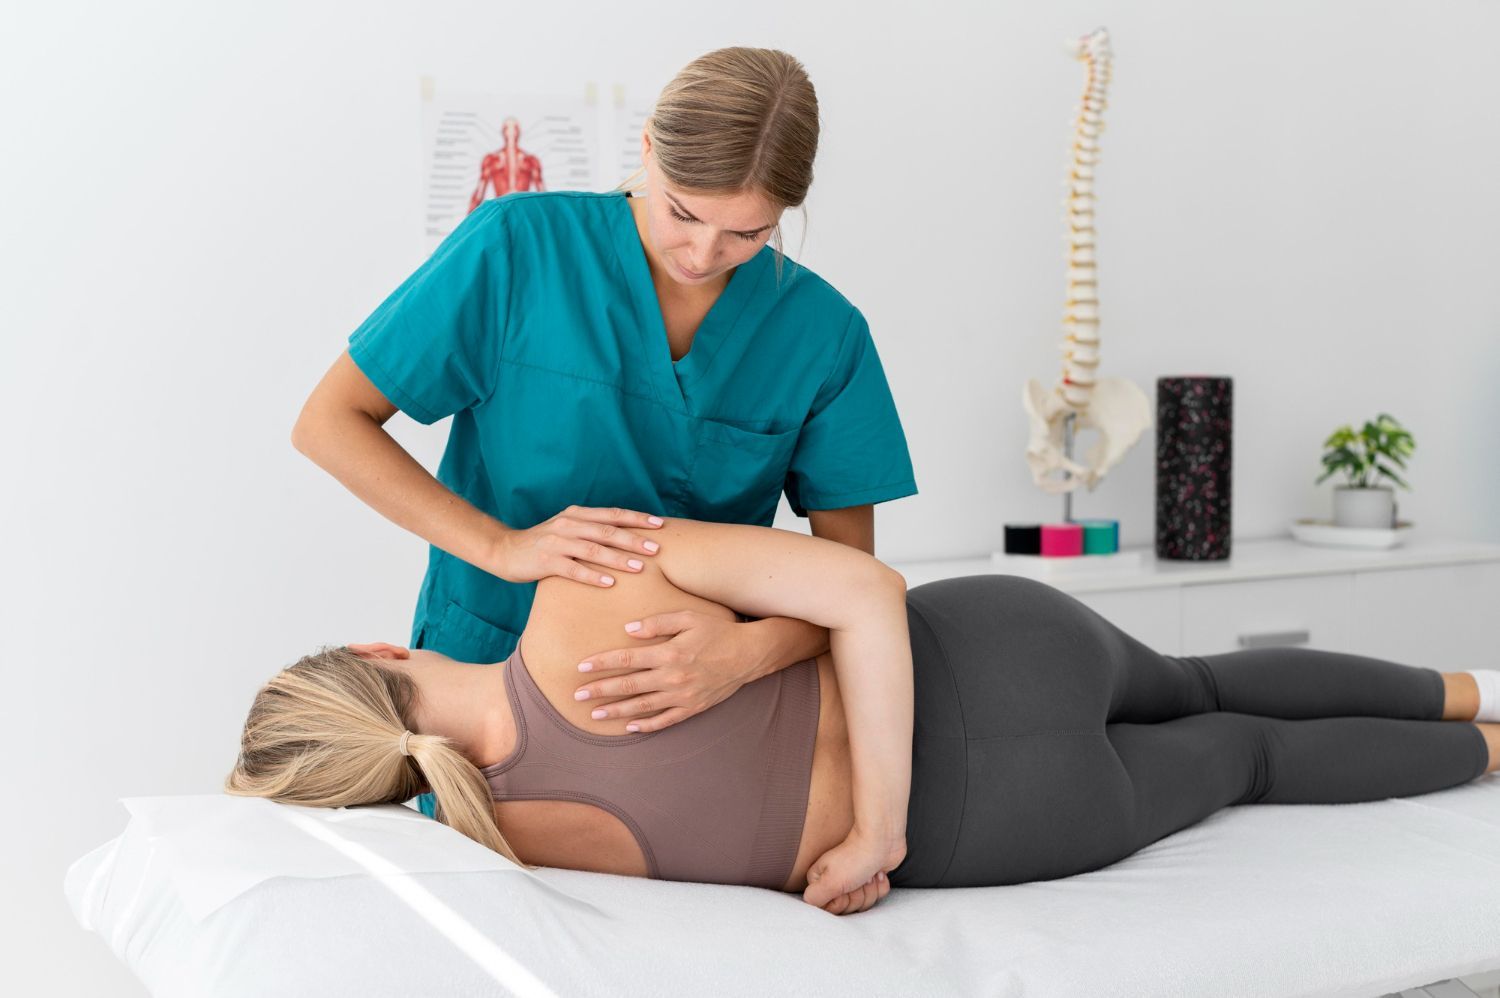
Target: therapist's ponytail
[738, 119]
[326, 732]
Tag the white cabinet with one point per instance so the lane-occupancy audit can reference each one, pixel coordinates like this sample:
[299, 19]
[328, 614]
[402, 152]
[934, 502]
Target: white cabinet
[1434, 603]
[1442, 617]
[1311, 611]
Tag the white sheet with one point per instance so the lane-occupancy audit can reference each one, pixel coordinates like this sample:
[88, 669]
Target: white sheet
[214, 847]
[1328, 900]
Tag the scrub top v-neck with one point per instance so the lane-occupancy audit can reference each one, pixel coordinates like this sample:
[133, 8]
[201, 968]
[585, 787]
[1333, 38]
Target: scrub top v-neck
[675, 380]
[536, 326]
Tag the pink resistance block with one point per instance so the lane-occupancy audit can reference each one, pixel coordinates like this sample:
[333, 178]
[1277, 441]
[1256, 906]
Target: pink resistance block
[1062, 540]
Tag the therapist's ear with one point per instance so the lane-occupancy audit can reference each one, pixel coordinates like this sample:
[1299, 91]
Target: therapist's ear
[379, 649]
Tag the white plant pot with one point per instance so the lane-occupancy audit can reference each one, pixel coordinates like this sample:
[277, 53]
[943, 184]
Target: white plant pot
[1372, 506]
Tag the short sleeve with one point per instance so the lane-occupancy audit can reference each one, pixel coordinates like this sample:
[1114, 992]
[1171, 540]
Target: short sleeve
[851, 450]
[433, 346]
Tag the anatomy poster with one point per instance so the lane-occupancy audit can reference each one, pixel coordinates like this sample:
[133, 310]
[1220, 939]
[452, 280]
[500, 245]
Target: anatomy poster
[481, 146]
[626, 125]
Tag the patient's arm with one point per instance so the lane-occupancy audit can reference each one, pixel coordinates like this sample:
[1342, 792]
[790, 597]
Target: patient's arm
[767, 571]
[787, 640]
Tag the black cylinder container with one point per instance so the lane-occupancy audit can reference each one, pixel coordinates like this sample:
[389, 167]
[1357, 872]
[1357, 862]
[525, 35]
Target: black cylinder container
[1194, 437]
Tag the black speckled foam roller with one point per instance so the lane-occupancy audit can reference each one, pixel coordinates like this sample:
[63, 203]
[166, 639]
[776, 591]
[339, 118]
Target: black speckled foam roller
[1194, 436]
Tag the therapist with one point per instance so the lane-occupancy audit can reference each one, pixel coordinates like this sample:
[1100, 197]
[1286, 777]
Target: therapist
[606, 357]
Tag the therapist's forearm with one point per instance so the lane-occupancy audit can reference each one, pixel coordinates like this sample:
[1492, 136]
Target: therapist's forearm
[784, 641]
[354, 448]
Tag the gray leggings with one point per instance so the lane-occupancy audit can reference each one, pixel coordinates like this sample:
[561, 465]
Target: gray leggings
[1048, 742]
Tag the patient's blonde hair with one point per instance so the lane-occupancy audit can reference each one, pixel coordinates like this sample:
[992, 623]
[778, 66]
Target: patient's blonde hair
[737, 119]
[326, 732]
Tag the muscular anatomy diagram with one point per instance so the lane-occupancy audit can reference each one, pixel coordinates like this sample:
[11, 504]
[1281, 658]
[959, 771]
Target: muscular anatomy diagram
[509, 168]
[1114, 406]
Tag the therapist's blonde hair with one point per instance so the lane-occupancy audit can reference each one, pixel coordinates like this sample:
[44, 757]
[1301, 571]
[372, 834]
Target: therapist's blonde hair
[737, 119]
[326, 732]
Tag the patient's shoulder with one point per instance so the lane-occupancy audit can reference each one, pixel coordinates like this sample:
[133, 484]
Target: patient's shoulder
[566, 611]
[571, 621]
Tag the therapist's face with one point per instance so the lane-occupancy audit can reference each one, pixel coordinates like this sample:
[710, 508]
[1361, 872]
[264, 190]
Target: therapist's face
[695, 238]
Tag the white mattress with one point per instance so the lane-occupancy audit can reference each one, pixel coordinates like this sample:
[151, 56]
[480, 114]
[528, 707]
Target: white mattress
[228, 896]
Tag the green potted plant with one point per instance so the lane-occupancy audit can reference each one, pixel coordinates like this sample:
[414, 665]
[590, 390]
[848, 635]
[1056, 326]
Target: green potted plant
[1363, 456]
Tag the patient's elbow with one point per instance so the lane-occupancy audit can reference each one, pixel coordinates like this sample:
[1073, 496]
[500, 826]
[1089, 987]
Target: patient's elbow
[299, 437]
[304, 431]
[883, 581]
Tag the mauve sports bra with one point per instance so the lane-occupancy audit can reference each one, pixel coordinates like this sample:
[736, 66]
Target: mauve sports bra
[718, 798]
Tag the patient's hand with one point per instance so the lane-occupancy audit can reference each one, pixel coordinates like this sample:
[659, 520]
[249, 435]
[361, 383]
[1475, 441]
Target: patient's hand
[851, 876]
[705, 661]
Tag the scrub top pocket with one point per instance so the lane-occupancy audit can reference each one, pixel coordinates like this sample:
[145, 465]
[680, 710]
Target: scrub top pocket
[464, 636]
[737, 474]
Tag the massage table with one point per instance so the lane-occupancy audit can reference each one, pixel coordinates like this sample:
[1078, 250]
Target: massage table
[219, 895]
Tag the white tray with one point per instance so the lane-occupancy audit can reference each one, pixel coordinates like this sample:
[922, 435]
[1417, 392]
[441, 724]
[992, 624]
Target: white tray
[1324, 533]
[1128, 560]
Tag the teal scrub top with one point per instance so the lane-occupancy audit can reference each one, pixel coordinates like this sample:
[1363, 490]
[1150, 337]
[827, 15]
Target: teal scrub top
[536, 326]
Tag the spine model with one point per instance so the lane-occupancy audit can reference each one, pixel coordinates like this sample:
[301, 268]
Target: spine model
[1081, 320]
[1114, 407]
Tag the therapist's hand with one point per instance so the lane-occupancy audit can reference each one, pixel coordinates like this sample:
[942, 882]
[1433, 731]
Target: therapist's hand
[704, 662]
[604, 536]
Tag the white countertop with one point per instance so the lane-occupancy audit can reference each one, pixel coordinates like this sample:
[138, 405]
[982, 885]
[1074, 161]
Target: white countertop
[1249, 559]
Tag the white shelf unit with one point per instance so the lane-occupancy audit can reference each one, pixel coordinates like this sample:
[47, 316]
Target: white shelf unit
[1426, 602]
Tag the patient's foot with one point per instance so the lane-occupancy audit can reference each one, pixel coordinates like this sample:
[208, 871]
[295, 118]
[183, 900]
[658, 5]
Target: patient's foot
[1487, 682]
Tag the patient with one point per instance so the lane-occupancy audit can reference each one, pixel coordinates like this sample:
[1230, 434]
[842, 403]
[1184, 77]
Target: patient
[973, 731]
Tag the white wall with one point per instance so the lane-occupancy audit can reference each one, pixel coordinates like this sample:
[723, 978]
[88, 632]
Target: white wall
[201, 201]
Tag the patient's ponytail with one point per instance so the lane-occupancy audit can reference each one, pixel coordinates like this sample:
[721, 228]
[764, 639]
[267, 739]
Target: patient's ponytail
[462, 793]
[326, 732]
